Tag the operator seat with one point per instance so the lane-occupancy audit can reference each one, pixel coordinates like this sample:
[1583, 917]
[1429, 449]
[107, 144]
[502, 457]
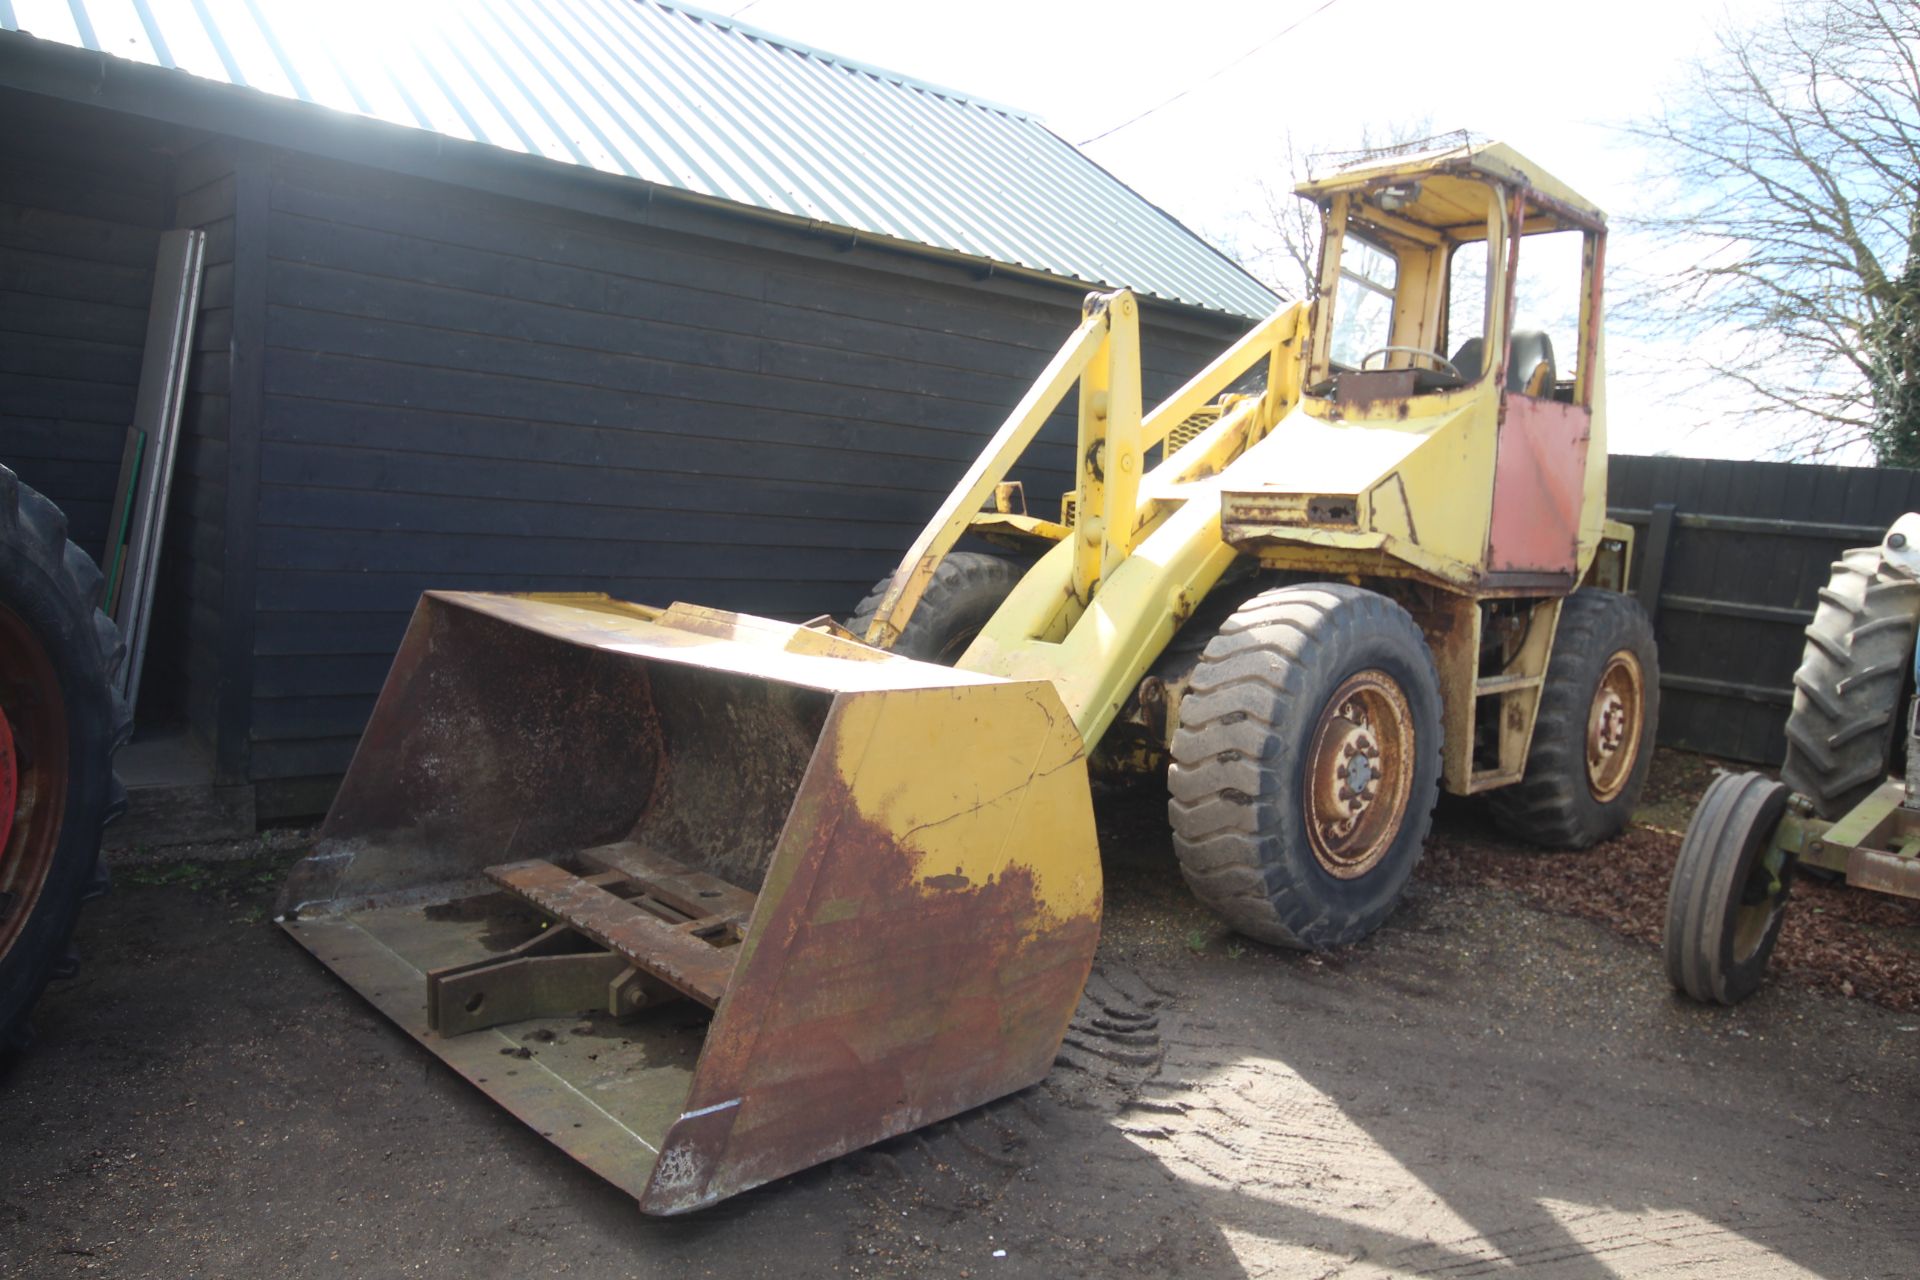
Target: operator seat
[1530, 367]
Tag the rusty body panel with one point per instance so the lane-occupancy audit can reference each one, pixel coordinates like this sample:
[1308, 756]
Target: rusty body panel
[1884, 872]
[1538, 484]
[666, 951]
[882, 944]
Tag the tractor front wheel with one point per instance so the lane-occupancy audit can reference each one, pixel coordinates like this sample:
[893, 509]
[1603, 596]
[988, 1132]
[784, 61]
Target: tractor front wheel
[1730, 887]
[60, 720]
[1306, 764]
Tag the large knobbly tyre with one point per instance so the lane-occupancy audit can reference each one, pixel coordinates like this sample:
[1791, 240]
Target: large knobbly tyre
[1306, 764]
[1846, 694]
[1593, 738]
[60, 721]
[1728, 892]
[965, 591]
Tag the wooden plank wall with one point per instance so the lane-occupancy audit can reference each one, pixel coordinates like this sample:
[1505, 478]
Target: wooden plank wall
[474, 392]
[83, 199]
[1750, 546]
[84, 195]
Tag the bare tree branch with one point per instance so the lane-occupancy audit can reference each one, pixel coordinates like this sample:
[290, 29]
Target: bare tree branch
[1280, 243]
[1788, 172]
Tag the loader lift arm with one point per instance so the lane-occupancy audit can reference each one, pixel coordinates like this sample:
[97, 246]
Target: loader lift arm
[1115, 566]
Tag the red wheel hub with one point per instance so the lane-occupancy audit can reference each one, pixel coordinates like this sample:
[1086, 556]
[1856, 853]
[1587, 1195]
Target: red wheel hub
[33, 773]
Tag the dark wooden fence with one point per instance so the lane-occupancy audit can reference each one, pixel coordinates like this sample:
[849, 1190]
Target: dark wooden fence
[1729, 558]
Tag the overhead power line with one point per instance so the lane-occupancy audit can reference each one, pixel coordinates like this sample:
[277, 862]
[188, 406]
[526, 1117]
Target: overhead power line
[1287, 30]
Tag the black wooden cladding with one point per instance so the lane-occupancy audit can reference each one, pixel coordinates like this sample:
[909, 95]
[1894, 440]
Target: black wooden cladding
[82, 205]
[477, 393]
[398, 386]
[83, 198]
[1736, 594]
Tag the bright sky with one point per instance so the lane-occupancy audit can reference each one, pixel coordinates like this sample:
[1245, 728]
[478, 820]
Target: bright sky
[1553, 79]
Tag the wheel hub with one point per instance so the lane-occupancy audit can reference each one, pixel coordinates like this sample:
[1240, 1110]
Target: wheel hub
[33, 773]
[1762, 897]
[1359, 774]
[1360, 769]
[1613, 726]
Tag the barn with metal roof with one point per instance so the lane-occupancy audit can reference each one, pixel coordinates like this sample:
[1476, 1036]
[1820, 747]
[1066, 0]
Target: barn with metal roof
[591, 294]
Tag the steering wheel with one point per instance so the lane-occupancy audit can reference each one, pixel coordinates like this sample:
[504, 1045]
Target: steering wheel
[1440, 362]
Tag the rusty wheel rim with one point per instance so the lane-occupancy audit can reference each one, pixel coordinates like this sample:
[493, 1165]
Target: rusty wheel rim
[33, 773]
[1359, 774]
[1613, 726]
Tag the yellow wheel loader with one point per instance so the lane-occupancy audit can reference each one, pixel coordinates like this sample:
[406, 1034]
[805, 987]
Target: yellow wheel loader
[706, 898]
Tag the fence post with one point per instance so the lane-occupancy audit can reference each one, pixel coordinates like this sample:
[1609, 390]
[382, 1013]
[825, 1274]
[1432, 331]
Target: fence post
[1653, 568]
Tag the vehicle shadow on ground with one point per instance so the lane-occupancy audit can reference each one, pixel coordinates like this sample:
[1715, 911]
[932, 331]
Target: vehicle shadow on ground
[1485, 1088]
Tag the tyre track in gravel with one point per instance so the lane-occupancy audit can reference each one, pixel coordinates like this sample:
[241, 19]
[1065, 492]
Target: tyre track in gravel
[928, 1193]
[1251, 1130]
[1430, 1123]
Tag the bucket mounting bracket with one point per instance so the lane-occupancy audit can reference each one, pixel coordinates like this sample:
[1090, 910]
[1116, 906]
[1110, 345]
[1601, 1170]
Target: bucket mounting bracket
[628, 929]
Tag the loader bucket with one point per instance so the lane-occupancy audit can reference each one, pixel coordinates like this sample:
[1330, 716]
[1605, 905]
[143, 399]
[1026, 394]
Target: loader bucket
[703, 898]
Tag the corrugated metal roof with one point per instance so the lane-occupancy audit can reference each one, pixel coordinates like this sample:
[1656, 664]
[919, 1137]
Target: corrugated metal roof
[687, 99]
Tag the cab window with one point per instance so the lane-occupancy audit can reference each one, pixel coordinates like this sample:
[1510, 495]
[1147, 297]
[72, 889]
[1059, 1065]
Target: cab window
[1546, 301]
[1466, 317]
[1545, 333]
[1363, 302]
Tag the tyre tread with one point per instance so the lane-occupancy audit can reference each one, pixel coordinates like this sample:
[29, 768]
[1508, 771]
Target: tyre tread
[1706, 877]
[961, 583]
[1847, 688]
[35, 528]
[1551, 805]
[1242, 697]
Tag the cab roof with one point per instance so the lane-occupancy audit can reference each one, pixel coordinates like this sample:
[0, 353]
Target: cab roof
[1452, 181]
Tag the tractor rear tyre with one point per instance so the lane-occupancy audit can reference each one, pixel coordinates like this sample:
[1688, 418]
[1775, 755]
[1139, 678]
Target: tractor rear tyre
[1729, 891]
[1593, 737]
[966, 590]
[60, 721]
[1846, 694]
[1306, 764]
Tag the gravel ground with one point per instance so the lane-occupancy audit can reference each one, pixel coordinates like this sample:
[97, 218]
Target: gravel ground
[1498, 1082]
[1844, 941]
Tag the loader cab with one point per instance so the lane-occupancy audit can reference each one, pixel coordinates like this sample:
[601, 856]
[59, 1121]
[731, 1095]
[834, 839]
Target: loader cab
[1452, 276]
